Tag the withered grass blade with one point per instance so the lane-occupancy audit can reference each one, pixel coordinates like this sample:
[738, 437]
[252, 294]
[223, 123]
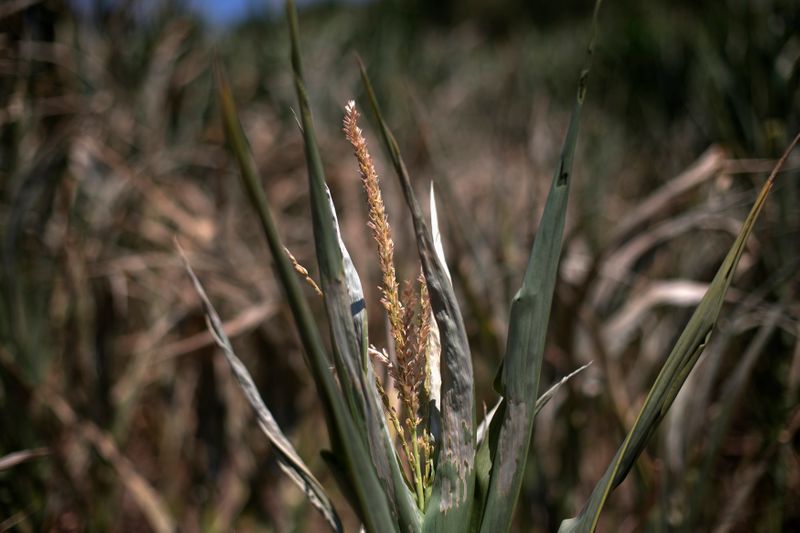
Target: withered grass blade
[290, 461]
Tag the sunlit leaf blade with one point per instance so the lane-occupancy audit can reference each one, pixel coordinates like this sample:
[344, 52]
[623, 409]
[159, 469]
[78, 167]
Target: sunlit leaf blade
[434, 360]
[437, 235]
[358, 307]
[342, 428]
[451, 497]
[290, 461]
[530, 315]
[676, 369]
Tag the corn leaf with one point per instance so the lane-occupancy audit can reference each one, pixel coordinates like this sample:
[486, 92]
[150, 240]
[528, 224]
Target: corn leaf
[448, 509]
[355, 292]
[344, 303]
[289, 460]
[398, 491]
[326, 239]
[718, 428]
[541, 401]
[345, 433]
[437, 235]
[676, 369]
[434, 360]
[530, 315]
[487, 433]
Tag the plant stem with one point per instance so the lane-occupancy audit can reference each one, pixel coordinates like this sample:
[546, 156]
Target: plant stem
[417, 470]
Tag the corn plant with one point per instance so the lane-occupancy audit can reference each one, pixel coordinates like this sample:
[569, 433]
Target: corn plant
[407, 450]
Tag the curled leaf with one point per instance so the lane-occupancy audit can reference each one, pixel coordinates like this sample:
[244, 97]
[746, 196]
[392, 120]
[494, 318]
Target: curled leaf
[290, 461]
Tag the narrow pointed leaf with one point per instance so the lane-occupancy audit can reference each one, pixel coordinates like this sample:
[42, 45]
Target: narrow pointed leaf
[355, 292]
[347, 355]
[483, 427]
[451, 497]
[530, 315]
[437, 235]
[398, 490]
[718, 428]
[290, 461]
[342, 427]
[541, 401]
[676, 369]
[337, 278]
[434, 360]
[346, 311]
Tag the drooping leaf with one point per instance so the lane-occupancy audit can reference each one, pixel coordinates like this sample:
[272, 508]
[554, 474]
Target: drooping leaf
[529, 318]
[451, 497]
[676, 369]
[290, 462]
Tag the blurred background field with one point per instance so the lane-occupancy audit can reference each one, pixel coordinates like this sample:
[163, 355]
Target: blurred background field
[116, 412]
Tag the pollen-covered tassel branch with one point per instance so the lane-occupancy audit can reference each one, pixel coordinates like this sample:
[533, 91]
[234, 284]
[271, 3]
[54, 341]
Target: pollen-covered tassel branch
[408, 369]
[378, 223]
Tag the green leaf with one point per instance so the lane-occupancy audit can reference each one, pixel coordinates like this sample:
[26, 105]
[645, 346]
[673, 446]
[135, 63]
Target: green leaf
[290, 462]
[379, 435]
[355, 293]
[717, 429]
[451, 497]
[487, 434]
[676, 369]
[344, 303]
[436, 233]
[347, 352]
[434, 362]
[530, 315]
[345, 433]
[541, 401]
